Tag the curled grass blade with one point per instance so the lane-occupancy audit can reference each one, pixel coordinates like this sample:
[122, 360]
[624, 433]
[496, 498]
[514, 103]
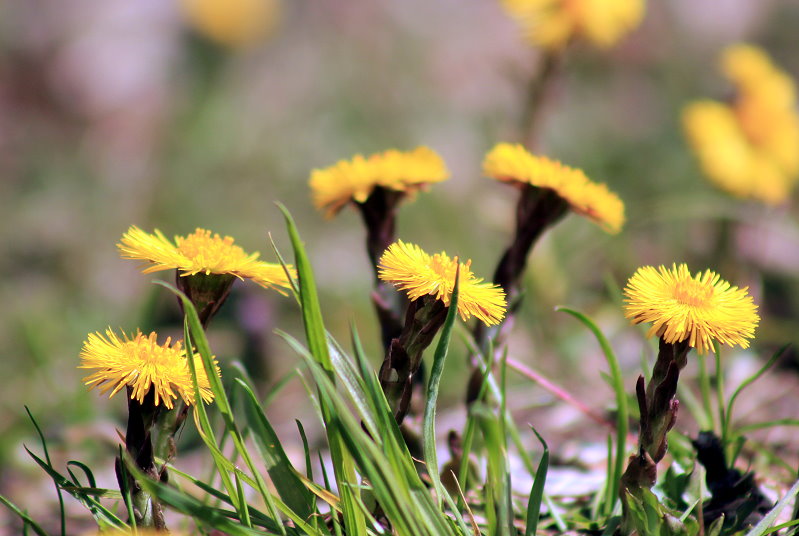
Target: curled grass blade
[749, 381]
[622, 411]
[62, 516]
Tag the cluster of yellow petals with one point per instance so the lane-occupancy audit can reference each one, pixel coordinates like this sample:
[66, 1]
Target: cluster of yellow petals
[699, 309]
[409, 268]
[200, 252]
[513, 163]
[143, 364]
[354, 180]
[232, 23]
[750, 147]
[552, 24]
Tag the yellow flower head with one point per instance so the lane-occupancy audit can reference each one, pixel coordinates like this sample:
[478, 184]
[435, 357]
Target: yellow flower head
[699, 309]
[512, 163]
[200, 252]
[410, 269]
[232, 23]
[354, 180]
[553, 23]
[141, 363]
[750, 147]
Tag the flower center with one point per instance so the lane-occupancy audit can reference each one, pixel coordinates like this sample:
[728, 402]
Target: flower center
[200, 245]
[693, 293]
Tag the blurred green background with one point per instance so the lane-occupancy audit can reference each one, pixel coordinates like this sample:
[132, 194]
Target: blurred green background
[119, 113]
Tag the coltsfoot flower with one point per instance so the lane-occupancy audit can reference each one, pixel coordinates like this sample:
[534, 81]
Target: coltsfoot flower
[233, 23]
[143, 365]
[699, 309]
[200, 253]
[749, 147]
[354, 180]
[552, 24]
[420, 274]
[514, 164]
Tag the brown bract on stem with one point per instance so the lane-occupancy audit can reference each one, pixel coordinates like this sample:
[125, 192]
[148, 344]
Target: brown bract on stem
[423, 319]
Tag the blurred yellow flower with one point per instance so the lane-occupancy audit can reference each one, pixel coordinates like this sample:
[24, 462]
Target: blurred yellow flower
[698, 309]
[355, 180]
[750, 147]
[142, 364]
[409, 268]
[514, 164]
[552, 24]
[200, 252]
[232, 23]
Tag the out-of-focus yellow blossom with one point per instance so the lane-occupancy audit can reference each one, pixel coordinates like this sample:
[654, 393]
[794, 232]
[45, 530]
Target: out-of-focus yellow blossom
[355, 180]
[749, 147]
[552, 24]
[513, 163]
[233, 23]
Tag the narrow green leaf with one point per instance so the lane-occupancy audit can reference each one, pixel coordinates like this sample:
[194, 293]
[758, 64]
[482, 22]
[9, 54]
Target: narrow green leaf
[429, 417]
[750, 380]
[311, 311]
[28, 520]
[763, 527]
[622, 411]
[61, 512]
[104, 517]
[433, 384]
[185, 503]
[282, 473]
[537, 491]
[498, 504]
[86, 471]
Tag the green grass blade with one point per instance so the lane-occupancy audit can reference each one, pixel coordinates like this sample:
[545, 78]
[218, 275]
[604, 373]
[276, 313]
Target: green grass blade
[283, 475]
[61, 513]
[309, 300]
[26, 519]
[749, 381]
[433, 384]
[182, 502]
[537, 491]
[86, 471]
[103, 516]
[498, 504]
[354, 520]
[764, 526]
[429, 417]
[767, 424]
[622, 410]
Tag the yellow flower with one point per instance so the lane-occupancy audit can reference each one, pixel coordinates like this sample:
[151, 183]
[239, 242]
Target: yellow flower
[410, 269]
[232, 23]
[698, 309]
[750, 148]
[553, 23]
[512, 163]
[200, 253]
[142, 364]
[354, 180]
